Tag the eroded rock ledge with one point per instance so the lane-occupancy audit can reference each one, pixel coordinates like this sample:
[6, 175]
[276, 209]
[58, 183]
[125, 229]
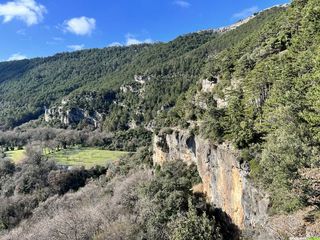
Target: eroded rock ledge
[224, 177]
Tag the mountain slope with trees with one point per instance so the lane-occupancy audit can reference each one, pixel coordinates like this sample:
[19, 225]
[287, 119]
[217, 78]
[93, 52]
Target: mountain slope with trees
[172, 67]
[256, 87]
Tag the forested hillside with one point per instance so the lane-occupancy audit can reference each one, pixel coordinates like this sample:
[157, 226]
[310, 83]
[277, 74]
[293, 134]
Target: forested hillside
[28, 86]
[40, 82]
[270, 83]
[255, 89]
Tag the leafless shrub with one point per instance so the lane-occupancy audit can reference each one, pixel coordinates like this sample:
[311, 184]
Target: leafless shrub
[101, 210]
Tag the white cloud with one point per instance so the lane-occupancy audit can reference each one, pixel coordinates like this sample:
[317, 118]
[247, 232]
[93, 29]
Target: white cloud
[246, 13]
[115, 44]
[134, 41]
[80, 26]
[183, 4]
[16, 56]
[22, 32]
[131, 40]
[28, 11]
[76, 47]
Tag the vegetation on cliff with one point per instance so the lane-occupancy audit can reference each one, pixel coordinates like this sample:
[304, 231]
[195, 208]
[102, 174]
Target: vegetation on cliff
[122, 201]
[262, 95]
[269, 81]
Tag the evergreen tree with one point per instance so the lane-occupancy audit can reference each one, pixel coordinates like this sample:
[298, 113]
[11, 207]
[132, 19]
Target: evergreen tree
[193, 227]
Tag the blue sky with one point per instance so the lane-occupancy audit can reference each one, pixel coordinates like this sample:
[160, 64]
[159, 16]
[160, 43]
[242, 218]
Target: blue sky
[32, 28]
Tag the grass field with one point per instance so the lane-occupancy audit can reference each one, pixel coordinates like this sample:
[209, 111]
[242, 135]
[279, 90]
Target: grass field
[87, 157]
[16, 155]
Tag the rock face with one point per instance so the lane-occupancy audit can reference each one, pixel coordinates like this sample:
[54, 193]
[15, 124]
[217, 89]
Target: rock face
[209, 84]
[137, 86]
[141, 78]
[224, 177]
[72, 115]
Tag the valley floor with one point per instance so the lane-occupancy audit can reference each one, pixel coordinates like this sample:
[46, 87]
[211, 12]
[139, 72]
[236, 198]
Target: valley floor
[74, 156]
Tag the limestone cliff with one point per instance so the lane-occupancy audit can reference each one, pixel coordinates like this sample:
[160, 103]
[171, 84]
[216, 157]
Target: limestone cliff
[72, 115]
[224, 177]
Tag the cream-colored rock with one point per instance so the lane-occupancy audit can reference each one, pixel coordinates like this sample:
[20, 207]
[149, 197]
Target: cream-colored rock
[221, 103]
[209, 84]
[141, 79]
[68, 116]
[224, 179]
[227, 186]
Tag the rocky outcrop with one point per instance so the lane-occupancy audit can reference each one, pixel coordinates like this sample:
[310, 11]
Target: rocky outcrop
[209, 84]
[128, 88]
[137, 86]
[236, 25]
[243, 21]
[72, 115]
[226, 184]
[141, 78]
[225, 178]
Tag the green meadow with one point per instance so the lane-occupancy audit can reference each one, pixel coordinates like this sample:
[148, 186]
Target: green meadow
[77, 156]
[16, 155]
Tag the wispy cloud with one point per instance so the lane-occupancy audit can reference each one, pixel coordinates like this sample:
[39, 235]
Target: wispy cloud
[22, 32]
[115, 44]
[58, 39]
[76, 47]
[245, 13]
[55, 41]
[132, 40]
[182, 3]
[28, 11]
[16, 56]
[80, 26]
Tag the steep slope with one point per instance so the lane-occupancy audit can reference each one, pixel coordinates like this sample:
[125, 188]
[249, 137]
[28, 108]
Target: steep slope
[255, 88]
[224, 177]
[40, 82]
[262, 96]
[172, 67]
